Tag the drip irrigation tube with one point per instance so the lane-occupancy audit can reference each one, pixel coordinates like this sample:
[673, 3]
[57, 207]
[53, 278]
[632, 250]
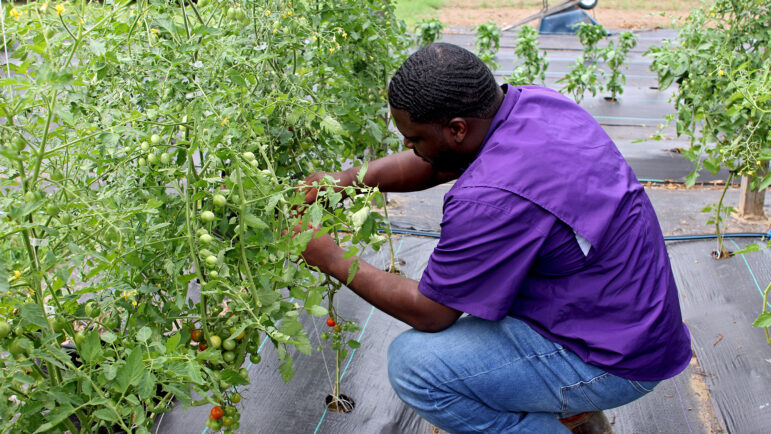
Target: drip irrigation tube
[667, 238]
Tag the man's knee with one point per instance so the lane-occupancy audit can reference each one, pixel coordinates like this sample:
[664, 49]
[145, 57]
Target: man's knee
[406, 360]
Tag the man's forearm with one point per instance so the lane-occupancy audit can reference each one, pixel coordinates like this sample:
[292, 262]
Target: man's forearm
[395, 295]
[401, 172]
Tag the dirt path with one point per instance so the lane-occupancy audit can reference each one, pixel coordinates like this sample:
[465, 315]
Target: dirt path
[454, 15]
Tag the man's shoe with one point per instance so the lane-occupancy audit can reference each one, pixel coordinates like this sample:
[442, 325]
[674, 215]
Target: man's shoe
[593, 422]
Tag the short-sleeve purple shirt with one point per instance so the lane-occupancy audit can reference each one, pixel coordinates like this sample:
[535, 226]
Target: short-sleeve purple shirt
[546, 163]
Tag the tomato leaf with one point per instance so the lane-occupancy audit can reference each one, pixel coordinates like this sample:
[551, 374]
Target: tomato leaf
[764, 320]
[32, 313]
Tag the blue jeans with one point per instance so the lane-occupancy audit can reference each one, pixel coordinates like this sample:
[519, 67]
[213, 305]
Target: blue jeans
[480, 376]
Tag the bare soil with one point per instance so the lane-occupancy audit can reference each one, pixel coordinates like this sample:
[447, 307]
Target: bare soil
[610, 18]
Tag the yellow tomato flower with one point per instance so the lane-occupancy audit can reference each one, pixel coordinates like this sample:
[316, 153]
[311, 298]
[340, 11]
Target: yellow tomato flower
[289, 13]
[721, 72]
[225, 121]
[267, 13]
[43, 7]
[314, 38]
[331, 50]
[345, 35]
[283, 15]
[16, 274]
[155, 32]
[750, 173]
[59, 9]
[134, 303]
[14, 13]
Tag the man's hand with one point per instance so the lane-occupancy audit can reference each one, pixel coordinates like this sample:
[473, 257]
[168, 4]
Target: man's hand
[311, 193]
[321, 251]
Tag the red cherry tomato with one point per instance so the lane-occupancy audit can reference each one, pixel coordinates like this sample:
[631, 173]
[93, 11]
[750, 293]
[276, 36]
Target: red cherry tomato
[196, 335]
[216, 412]
[331, 322]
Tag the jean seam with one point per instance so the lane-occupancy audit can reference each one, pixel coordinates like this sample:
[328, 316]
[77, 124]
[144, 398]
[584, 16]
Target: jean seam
[561, 350]
[565, 389]
[459, 420]
[639, 387]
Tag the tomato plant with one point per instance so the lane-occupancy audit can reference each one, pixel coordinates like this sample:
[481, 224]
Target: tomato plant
[428, 31]
[533, 67]
[150, 152]
[487, 41]
[722, 101]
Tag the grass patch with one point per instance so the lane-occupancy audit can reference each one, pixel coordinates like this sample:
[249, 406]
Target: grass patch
[412, 11]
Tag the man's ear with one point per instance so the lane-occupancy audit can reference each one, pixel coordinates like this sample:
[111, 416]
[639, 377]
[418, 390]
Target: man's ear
[458, 129]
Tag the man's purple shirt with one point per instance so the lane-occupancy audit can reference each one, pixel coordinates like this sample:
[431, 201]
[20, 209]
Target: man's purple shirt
[546, 168]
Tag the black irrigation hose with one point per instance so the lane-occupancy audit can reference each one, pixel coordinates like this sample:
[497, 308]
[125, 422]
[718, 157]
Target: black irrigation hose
[668, 238]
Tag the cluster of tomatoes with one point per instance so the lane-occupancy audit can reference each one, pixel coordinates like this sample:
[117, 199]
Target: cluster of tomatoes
[227, 418]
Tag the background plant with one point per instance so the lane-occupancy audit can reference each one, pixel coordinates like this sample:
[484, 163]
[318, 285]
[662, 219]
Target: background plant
[534, 65]
[615, 57]
[428, 31]
[151, 150]
[721, 63]
[585, 76]
[487, 41]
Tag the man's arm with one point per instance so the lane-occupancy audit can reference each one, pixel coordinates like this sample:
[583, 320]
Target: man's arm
[393, 294]
[399, 172]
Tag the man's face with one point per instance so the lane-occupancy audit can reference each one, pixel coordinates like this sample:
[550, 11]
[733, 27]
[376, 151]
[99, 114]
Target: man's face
[434, 143]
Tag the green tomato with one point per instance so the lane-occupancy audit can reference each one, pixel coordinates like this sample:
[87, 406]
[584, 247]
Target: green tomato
[214, 274]
[229, 344]
[249, 156]
[112, 322]
[141, 162]
[151, 158]
[59, 323]
[206, 238]
[228, 356]
[231, 14]
[155, 139]
[219, 200]
[211, 260]
[80, 337]
[65, 218]
[30, 196]
[235, 398]
[255, 358]
[20, 347]
[52, 210]
[215, 341]
[204, 253]
[165, 158]
[5, 329]
[144, 146]
[244, 373]
[227, 420]
[19, 144]
[92, 309]
[207, 216]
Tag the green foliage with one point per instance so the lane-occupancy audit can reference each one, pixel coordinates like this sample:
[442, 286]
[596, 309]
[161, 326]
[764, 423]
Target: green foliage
[533, 67]
[428, 31]
[614, 56]
[487, 42]
[122, 123]
[723, 102]
[584, 76]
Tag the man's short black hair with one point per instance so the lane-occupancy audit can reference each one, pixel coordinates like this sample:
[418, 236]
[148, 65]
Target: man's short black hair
[442, 81]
